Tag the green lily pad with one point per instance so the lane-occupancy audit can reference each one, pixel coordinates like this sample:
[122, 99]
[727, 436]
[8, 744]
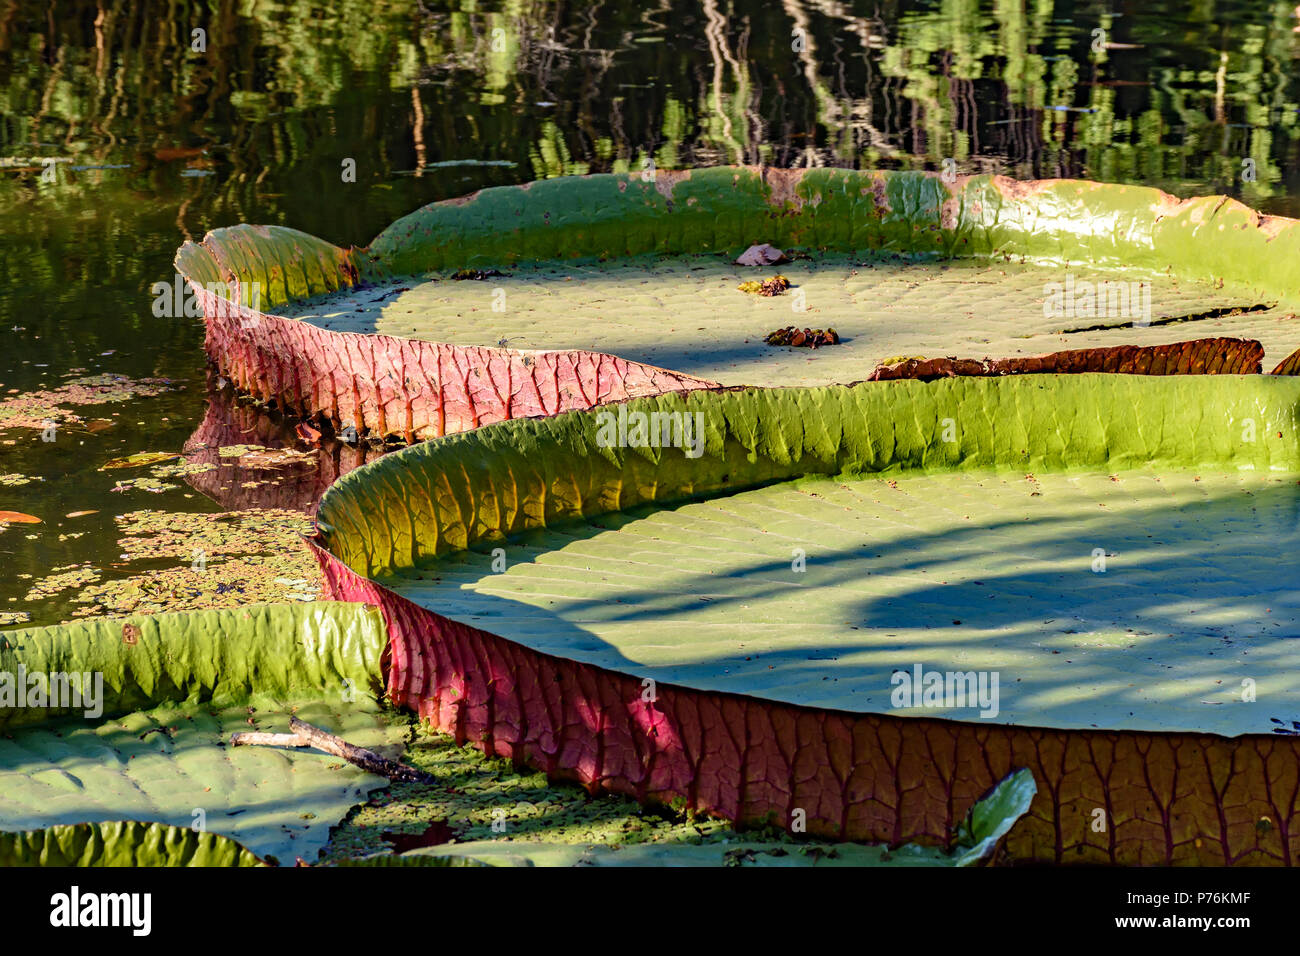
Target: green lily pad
[152, 746]
[614, 286]
[171, 764]
[121, 843]
[1096, 542]
[686, 314]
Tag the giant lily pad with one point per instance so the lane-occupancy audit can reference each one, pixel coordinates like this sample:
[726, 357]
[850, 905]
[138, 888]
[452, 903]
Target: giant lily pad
[121, 843]
[606, 281]
[1096, 541]
[725, 622]
[152, 751]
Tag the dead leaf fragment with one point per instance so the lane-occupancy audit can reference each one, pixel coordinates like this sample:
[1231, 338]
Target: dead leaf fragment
[762, 255]
[139, 460]
[168, 154]
[1212, 356]
[802, 338]
[275, 458]
[130, 633]
[765, 287]
[17, 517]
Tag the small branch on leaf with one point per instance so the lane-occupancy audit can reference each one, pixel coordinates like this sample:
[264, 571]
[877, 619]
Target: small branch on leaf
[254, 738]
[305, 735]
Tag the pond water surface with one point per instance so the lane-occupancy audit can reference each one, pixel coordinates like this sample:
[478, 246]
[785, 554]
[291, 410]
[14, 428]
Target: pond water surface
[124, 132]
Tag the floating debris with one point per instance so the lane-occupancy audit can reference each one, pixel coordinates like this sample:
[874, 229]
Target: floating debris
[227, 559]
[69, 576]
[181, 468]
[274, 458]
[147, 483]
[476, 274]
[766, 287]
[41, 408]
[17, 517]
[165, 534]
[762, 255]
[802, 338]
[139, 460]
[449, 163]
[307, 433]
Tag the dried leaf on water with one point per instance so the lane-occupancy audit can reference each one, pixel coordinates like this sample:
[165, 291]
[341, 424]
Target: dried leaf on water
[139, 460]
[17, 517]
[762, 255]
[802, 338]
[275, 458]
[475, 274]
[765, 287]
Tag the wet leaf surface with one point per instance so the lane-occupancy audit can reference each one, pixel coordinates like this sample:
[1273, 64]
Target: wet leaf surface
[151, 745]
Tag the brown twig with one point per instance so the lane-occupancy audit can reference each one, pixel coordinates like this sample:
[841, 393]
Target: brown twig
[305, 735]
[255, 738]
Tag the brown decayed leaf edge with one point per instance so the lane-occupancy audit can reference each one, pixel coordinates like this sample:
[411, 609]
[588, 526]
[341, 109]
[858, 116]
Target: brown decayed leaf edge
[1216, 356]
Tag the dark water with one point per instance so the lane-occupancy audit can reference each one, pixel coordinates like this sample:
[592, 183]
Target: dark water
[156, 142]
